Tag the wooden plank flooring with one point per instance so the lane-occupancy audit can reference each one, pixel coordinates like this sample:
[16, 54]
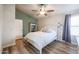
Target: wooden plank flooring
[56, 47]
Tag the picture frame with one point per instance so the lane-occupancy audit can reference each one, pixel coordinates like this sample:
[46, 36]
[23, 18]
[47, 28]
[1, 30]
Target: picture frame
[32, 27]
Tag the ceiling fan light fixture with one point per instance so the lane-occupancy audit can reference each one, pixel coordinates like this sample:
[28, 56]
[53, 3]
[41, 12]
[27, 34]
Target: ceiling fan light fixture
[42, 12]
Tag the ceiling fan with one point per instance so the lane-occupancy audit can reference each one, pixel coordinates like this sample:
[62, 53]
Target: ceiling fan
[42, 10]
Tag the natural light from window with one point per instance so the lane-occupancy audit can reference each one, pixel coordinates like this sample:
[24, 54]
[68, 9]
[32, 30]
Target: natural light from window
[75, 25]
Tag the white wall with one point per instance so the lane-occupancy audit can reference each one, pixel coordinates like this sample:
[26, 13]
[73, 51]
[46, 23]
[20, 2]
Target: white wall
[51, 21]
[8, 34]
[1, 18]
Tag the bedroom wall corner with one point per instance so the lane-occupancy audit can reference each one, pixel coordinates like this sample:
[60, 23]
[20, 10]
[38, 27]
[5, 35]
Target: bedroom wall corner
[26, 19]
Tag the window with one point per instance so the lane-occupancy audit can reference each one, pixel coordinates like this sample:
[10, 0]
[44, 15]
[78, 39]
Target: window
[75, 25]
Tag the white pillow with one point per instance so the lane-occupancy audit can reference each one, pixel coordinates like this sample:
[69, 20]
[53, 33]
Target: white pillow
[43, 29]
[49, 29]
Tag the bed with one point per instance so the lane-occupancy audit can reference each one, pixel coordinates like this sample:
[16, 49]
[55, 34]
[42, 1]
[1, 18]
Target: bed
[40, 39]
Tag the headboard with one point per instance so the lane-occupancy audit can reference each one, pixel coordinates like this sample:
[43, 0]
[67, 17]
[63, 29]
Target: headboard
[49, 27]
[54, 27]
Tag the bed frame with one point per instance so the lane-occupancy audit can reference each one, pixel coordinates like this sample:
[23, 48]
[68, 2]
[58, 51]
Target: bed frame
[59, 26]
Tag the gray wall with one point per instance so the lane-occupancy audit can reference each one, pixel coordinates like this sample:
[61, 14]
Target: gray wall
[26, 19]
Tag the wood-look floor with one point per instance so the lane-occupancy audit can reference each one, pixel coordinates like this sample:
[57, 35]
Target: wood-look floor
[55, 47]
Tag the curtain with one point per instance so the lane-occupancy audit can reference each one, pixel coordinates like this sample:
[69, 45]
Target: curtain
[66, 30]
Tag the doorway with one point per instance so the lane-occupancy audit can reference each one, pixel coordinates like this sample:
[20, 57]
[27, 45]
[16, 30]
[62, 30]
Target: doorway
[19, 28]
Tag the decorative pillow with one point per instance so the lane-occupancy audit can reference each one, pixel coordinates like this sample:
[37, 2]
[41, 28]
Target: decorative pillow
[49, 29]
[43, 29]
[46, 29]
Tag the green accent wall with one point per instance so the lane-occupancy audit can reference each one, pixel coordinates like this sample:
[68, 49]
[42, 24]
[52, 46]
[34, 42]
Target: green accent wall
[26, 19]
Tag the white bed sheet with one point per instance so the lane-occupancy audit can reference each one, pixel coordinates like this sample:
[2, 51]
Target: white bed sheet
[40, 39]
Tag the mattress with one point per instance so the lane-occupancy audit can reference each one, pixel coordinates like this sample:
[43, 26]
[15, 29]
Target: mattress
[40, 39]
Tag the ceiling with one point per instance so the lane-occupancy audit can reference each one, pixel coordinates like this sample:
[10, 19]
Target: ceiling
[58, 9]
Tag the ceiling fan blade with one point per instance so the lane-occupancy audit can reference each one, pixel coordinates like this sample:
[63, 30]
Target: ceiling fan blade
[50, 10]
[34, 10]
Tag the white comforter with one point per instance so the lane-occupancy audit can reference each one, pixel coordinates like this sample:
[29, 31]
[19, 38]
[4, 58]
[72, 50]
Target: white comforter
[40, 39]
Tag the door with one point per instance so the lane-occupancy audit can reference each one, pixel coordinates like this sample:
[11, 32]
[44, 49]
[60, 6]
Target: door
[19, 28]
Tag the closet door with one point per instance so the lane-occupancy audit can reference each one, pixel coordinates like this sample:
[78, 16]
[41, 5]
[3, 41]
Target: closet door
[19, 28]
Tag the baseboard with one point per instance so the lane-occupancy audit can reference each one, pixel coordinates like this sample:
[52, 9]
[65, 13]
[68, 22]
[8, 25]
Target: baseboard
[60, 40]
[9, 45]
